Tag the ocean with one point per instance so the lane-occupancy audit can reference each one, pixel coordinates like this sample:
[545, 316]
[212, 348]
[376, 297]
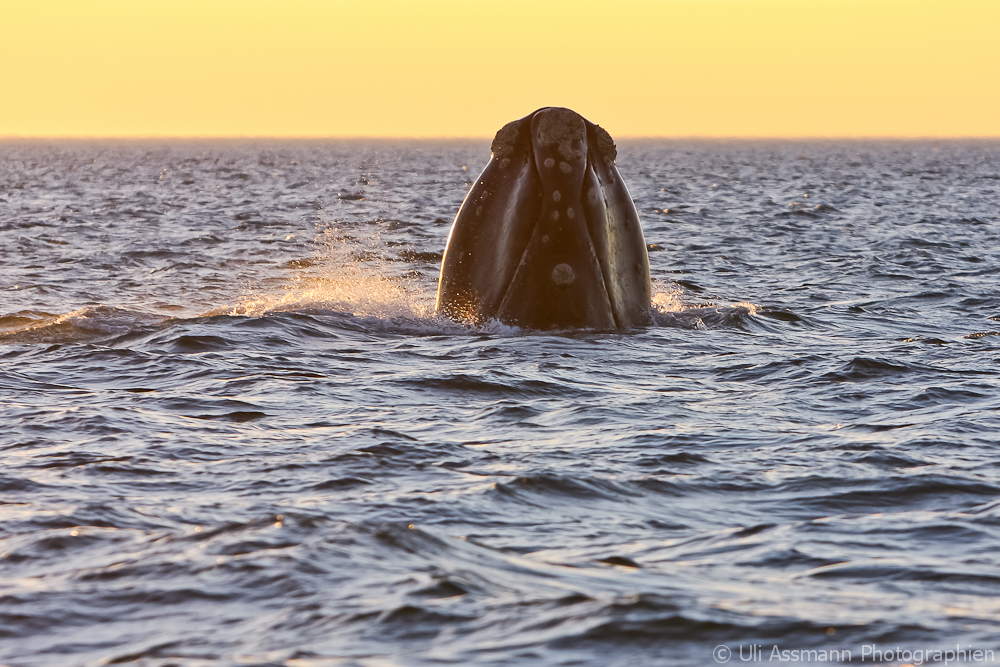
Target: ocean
[235, 433]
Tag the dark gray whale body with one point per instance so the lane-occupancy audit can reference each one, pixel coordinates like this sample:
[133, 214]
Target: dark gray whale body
[548, 237]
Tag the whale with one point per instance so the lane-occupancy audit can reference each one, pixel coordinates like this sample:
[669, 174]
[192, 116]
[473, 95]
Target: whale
[548, 236]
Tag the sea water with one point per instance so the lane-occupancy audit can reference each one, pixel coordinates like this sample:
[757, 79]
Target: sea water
[235, 433]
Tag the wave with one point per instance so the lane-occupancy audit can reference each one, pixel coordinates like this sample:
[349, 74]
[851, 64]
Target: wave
[81, 325]
[364, 301]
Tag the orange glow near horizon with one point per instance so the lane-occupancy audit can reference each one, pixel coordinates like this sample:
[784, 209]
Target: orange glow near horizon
[713, 68]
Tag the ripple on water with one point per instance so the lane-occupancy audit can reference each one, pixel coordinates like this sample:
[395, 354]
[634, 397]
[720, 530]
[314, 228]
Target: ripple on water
[234, 430]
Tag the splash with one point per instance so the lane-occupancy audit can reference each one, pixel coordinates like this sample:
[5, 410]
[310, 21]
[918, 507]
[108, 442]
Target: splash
[351, 275]
[668, 298]
[671, 310]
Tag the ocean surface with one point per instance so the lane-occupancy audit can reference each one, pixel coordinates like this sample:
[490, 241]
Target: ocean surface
[233, 432]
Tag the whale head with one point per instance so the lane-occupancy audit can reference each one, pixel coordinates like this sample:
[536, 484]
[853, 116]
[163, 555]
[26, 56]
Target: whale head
[548, 236]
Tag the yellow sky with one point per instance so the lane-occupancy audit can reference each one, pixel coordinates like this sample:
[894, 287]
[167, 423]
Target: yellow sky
[465, 67]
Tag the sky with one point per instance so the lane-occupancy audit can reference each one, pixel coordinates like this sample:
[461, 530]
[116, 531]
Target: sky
[463, 68]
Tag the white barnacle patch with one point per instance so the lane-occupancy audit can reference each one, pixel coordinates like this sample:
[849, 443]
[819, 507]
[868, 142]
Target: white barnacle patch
[549, 162]
[506, 139]
[545, 239]
[565, 168]
[570, 213]
[606, 146]
[555, 215]
[556, 196]
[593, 195]
[563, 275]
[504, 162]
[564, 129]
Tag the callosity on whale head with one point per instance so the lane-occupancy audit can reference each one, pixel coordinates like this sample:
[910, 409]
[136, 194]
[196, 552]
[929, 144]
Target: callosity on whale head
[548, 237]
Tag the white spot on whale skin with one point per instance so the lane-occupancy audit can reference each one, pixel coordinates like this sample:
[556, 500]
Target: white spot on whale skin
[556, 196]
[565, 168]
[549, 162]
[545, 239]
[479, 210]
[570, 213]
[563, 275]
[504, 162]
[555, 215]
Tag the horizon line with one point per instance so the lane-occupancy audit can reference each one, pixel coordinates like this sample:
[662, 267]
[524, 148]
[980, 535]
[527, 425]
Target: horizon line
[402, 137]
